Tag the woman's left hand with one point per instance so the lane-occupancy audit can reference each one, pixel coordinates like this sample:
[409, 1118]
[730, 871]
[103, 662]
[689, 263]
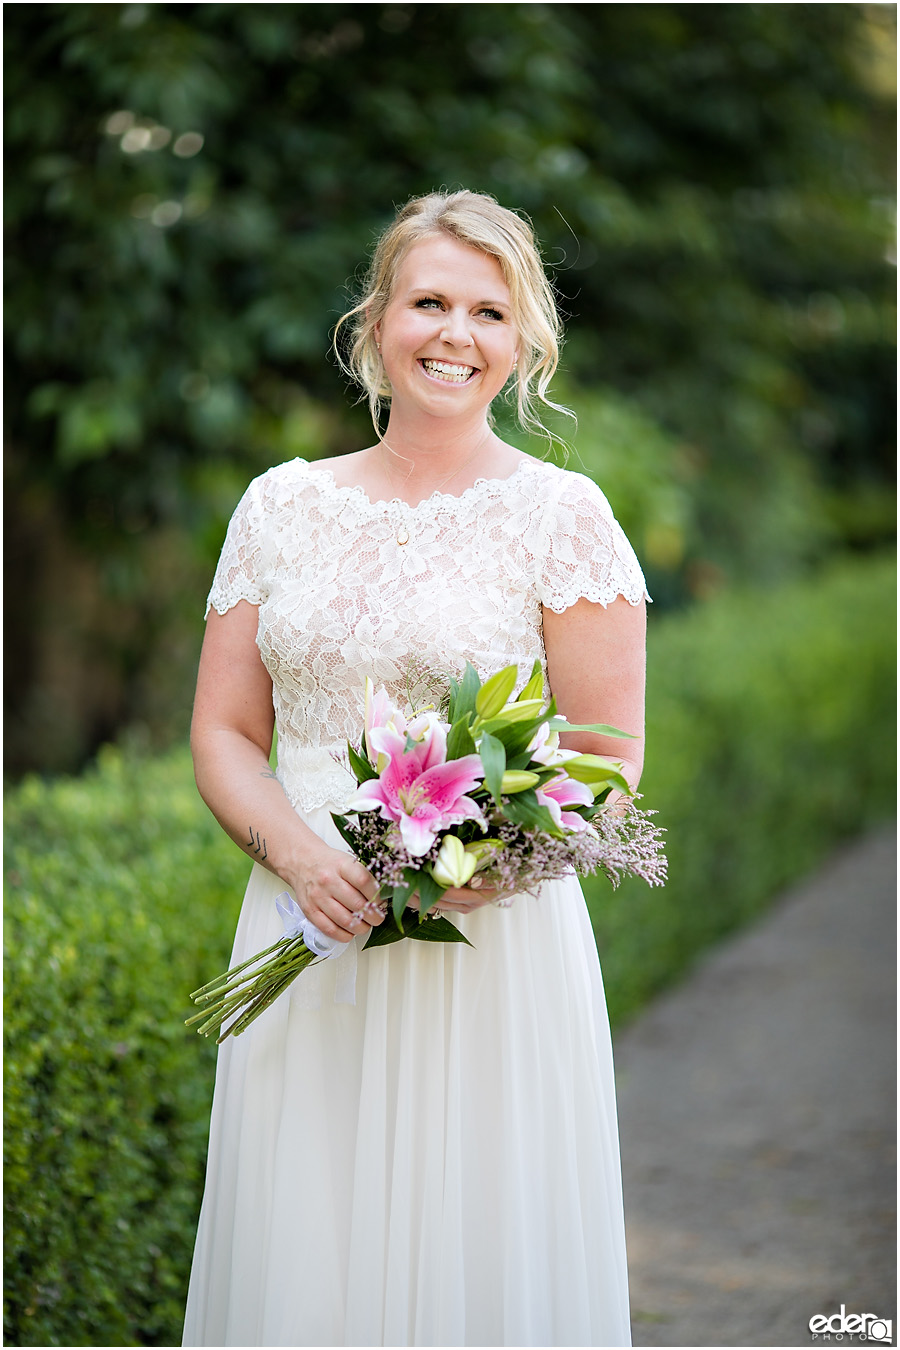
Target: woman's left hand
[463, 899]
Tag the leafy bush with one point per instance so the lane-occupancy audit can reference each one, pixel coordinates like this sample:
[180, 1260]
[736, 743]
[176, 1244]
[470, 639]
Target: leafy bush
[770, 735]
[770, 730]
[123, 894]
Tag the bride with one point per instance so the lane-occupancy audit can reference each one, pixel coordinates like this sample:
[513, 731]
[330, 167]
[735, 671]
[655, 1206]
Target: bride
[418, 1145]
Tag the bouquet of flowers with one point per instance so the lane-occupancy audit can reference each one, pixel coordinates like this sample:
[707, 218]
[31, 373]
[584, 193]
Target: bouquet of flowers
[482, 795]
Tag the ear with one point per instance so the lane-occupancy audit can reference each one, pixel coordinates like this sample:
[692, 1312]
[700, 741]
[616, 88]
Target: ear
[376, 331]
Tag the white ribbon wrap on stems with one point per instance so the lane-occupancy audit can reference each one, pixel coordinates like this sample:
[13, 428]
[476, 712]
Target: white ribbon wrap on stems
[306, 987]
[296, 924]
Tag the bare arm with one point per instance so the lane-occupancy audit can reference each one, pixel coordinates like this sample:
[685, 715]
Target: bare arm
[231, 739]
[595, 663]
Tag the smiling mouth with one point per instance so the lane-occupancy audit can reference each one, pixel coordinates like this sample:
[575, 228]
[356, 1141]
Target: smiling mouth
[447, 371]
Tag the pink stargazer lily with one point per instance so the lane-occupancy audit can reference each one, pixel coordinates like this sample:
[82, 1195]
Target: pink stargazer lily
[565, 791]
[419, 789]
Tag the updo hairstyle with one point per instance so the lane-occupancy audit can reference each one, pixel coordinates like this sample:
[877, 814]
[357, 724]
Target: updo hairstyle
[479, 221]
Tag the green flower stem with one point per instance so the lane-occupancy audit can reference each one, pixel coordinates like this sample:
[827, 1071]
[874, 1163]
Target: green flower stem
[241, 997]
[213, 984]
[221, 990]
[245, 988]
[263, 1000]
[289, 949]
[249, 1013]
[248, 994]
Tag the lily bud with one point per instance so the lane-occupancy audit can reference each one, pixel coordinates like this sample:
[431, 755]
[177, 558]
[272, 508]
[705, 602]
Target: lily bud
[519, 712]
[494, 692]
[535, 686]
[453, 865]
[483, 850]
[517, 780]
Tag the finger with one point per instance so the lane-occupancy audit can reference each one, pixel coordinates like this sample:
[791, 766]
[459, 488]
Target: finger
[346, 894]
[361, 895]
[335, 920]
[360, 878]
[465, 895]
[459, 906]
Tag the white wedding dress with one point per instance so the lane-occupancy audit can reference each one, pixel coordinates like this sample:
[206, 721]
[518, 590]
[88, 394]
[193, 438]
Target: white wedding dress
[414, 1145]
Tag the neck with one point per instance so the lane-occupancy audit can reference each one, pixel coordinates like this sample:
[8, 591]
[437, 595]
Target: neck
[434, 447]
[415, 464]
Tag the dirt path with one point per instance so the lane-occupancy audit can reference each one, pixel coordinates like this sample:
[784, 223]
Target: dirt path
[757, 1107]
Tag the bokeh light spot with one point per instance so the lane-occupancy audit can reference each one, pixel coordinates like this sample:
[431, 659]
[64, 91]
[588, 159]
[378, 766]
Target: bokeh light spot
[119, 122]
[188, 144]
[167, 213]
[135, 140]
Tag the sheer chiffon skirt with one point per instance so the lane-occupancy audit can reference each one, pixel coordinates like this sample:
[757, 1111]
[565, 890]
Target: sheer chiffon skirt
[436, 1164]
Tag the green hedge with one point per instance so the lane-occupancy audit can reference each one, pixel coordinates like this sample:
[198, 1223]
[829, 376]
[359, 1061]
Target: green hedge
[771, 723]
[122, 894]
[770, 734]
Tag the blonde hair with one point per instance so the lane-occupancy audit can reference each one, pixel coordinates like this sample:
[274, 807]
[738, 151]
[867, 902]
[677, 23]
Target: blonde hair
[479, 221]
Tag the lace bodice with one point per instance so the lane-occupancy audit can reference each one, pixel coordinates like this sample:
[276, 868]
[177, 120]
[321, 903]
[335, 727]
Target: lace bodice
[340, 598]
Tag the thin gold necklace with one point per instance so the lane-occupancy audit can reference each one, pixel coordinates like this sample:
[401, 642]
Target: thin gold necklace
[402, 531]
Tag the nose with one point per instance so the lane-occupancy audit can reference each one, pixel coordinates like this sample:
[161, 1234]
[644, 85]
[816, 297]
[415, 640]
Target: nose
[455, 330]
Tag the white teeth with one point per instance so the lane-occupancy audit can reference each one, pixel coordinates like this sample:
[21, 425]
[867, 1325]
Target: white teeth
[443, 370]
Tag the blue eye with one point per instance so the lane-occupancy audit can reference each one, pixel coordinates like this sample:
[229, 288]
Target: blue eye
[428, 301]
[494, 313]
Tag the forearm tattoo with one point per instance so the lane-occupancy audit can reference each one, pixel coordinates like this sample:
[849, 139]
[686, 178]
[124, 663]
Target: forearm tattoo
[255, 845]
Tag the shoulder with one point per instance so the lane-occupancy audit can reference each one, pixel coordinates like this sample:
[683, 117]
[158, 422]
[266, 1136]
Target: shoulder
[280, 485]
[566, 488]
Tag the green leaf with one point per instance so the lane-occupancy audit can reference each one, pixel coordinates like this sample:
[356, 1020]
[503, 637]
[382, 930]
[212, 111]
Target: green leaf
[404, 893]
[346, 831]
[459, 741]
[362, 769]
[454, 692]
[411, 925]
[519, 760]
[384, 933]
[525, 809]
[493, 759]
[598, 785]
[438, 930]
[546, 771]
[517, 739]
[560, 724]
[494, 692]
[468, 692]
[430, 891]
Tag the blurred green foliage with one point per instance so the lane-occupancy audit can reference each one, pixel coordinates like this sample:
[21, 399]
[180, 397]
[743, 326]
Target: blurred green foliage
[123, 895]
[771, 732]
[190, 187]
[770, 736]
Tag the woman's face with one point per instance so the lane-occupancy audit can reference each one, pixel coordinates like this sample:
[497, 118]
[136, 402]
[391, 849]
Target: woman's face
[448, 340]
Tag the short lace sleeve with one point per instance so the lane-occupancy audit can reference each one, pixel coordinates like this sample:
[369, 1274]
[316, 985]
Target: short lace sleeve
[583, 551]
[239, 575]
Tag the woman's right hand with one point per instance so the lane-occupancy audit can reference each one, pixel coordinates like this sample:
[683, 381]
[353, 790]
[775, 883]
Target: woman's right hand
[336, 893]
